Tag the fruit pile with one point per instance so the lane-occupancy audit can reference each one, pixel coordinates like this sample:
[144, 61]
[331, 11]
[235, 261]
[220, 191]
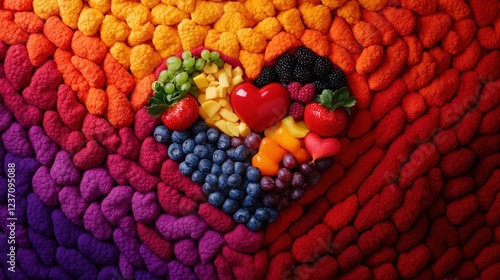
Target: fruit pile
[249, 157]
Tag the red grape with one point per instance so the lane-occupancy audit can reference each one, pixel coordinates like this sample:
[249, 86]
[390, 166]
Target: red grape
[289, 161]
[284, 175]
[236, 141]
[283, 203]
[296, 194]
[271, 199]
[267, 183]
[298, 180]
[252, 141]
[323, 164]
[306, 168]
[313, 178]
[280, 185]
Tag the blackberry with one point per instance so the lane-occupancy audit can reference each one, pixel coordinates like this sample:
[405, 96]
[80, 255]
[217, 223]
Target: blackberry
[322, 66]
[320, 86]
[284, 68]
[267, 76]
[302, 74]
[305, 57]
[336, 79]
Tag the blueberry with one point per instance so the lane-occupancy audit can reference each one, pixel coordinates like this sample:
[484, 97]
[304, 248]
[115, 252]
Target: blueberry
[239, 168]
[216, 170]
[229, 206]
[234, 180]
[225, 192]
[198, 126]
[253, 174]
[175, 151]
[212, 135]
[185, 169]
[200, 138]
[208, 189]
[188, 146]
[228, 167]
[249, 202]
[201, 151]
[241, 216]
[222, 182]
[179, 136]
[211, 149]
[205, 166]
[211, 179]
[224, 142]
[254, 224]
[198, 177]
[216, 199]
[241, 153]
[273, 214]
[162, 134]
[191, 160]
[230, 153]
[253, 189]
[236, 194]
[261, 213]
[219, 157]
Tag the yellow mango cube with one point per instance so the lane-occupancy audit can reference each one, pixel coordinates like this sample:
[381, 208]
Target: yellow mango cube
[225, 104]
[228, 115]
[214, 84]
[237, 71]
[244, 129]
[215, 117]
[201, 80]
[210, 78]
[203, 114]
[211, 93]
[202, 98]
[227, 68]
[217, 75]
[236, 80]
[293, 128]
[233, 128]
[210, 107]
[224, 80]
[221, 92]
[269, 132]
[222, 125]
[210, 69]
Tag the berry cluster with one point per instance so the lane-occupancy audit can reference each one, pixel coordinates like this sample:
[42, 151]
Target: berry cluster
[305, 67]
[222, 166]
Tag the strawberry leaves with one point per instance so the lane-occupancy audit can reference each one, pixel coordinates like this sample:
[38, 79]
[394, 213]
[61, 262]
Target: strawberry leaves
[161, 100]
[336, 99]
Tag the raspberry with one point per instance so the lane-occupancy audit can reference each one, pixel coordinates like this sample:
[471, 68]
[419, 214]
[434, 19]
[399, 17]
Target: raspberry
[293, 89]
[305, 56]
[336, 79]
[320, 85]
[322, 66]
[267, 76]
[284, 68]
[302, 74]
[306, 93]
[296, 111]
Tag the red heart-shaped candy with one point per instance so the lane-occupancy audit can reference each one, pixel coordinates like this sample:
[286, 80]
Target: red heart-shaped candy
[260, 108]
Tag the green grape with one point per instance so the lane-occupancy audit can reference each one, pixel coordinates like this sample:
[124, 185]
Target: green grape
[219, 62]
[199, 64]
[181, 78]
[186, 55]
[164, 76]
[156, 85]
[214, 56]
[190, 80]
[190, 70]
[171, 71]
[205, 54]
[186, 87]
[188, 62]
[169, 88]
[174, 63]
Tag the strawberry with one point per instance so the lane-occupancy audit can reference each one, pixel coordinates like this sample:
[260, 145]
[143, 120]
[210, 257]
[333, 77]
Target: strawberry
[328, 115]
[319, 147]
[178, 110]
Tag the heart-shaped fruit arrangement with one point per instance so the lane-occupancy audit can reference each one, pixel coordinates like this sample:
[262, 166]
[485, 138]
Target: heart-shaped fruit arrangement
[234, 138]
